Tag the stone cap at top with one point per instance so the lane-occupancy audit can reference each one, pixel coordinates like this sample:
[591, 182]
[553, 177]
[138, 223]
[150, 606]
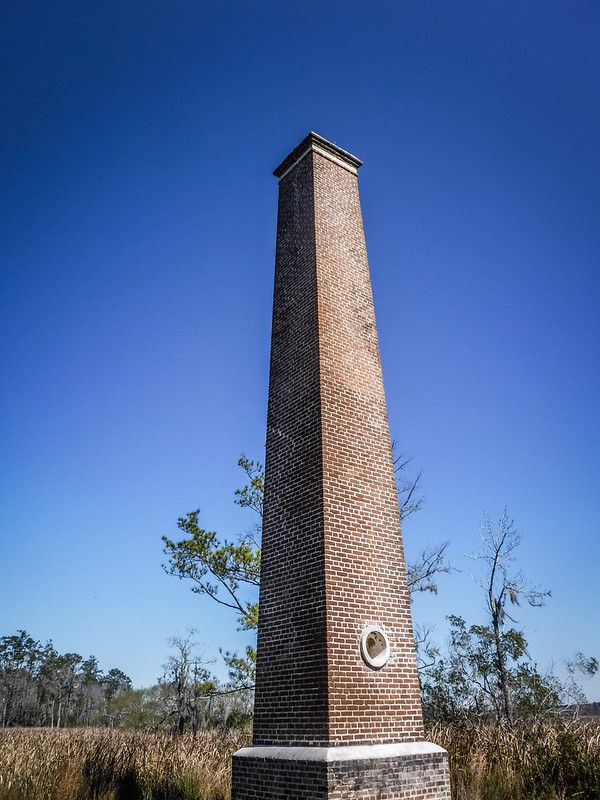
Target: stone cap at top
[316, 143]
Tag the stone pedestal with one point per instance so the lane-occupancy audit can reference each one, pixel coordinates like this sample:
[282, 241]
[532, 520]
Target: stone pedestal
[378, 772]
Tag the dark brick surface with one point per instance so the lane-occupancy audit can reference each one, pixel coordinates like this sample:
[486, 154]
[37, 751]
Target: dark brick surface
[419, 777]
[271, 779]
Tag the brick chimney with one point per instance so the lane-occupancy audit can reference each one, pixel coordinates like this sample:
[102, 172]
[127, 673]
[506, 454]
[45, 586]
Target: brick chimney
[337, 700]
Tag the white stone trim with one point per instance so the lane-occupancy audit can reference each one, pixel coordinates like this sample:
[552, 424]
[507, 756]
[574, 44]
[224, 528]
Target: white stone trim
[297, 161]
[315, 148]
[335, 160]
[359, 752]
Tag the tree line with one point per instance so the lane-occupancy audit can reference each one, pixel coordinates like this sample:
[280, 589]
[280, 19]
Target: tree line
[42, 687]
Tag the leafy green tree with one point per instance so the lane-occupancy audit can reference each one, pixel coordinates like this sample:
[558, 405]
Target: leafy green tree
[488, 669]
[220, 569]
[61, 676]
[226, 571]
[20, 663]
[115, 683]
[142, 709]
[467, 682]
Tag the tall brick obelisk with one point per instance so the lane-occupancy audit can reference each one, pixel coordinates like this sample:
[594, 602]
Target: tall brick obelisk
[337, 710]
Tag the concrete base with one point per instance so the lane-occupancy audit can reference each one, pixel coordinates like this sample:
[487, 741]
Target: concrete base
[415, 770]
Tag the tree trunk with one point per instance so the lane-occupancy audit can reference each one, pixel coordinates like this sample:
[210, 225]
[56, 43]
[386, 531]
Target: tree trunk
[502, 674]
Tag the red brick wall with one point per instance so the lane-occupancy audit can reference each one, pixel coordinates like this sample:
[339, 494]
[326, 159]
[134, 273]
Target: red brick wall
[332, 550]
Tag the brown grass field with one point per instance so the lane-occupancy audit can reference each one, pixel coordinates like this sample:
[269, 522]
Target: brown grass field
[103, 764]
[547, 761]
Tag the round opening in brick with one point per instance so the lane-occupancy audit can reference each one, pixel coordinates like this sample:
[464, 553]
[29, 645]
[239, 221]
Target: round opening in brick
[374, 646]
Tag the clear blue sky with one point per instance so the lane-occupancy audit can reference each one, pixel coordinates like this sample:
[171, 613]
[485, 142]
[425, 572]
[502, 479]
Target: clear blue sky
[138, 235]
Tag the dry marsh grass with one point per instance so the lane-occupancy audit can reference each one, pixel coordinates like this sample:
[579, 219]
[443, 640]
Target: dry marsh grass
[547, 760]
[102, 764]
[554, 760]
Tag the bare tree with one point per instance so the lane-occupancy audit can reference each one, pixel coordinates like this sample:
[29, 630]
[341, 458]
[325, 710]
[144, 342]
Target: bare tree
[504, 588]
[190, 683]
[410, 499]
[422, 573]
